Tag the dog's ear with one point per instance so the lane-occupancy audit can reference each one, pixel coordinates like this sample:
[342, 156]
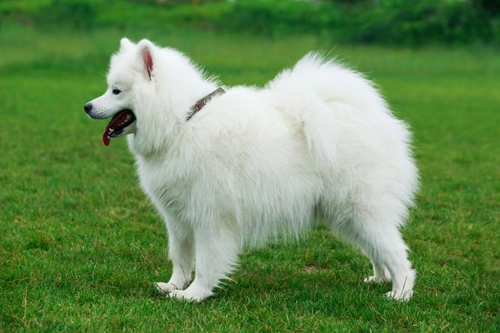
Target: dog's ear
[148, 61]
[125, 43]
[146, 49]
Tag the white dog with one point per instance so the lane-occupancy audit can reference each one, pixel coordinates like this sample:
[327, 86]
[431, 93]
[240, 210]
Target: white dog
[234, 167]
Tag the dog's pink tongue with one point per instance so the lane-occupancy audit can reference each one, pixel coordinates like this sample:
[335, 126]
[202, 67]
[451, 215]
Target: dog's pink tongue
[105, 138]
[108, 130]
[117, 120]
[115, 126]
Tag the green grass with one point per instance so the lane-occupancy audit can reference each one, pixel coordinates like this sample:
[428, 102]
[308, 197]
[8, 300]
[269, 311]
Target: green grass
[80, 245]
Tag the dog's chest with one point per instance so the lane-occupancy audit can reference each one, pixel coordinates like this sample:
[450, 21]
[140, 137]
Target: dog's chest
[166, 183]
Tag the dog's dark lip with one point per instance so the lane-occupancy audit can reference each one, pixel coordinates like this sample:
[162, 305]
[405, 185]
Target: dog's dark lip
[121, 120]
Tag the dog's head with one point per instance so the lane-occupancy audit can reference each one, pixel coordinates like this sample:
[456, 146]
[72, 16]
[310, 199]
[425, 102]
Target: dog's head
[131, 66]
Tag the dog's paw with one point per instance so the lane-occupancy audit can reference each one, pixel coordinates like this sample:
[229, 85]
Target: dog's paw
[400, 296]
[185, 295]
[376, 279]
[194, 293]
[165, 288]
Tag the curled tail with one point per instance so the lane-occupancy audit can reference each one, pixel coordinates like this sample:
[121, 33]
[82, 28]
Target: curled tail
[315, 92]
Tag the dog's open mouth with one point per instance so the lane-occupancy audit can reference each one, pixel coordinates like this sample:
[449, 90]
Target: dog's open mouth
[117, 124]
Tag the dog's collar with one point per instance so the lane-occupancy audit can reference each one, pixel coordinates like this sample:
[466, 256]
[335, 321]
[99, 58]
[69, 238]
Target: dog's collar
[202, 102]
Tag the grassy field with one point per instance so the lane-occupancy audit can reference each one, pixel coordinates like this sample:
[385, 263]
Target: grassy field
[80, 245]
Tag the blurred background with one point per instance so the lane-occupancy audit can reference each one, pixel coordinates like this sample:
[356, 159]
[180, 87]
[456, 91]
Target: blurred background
[388, 22]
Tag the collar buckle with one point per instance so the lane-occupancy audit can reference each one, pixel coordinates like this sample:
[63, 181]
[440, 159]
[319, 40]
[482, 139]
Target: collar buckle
[202, 102]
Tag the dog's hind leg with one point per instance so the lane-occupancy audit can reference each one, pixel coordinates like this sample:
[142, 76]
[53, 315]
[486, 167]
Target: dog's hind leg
[380, 273]
[217, 250]
[383, 244]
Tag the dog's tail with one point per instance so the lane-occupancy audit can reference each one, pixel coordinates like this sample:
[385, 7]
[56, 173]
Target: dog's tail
[316, 92]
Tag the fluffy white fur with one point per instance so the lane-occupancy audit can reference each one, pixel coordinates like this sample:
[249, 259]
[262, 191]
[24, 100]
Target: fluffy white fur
[317, 145]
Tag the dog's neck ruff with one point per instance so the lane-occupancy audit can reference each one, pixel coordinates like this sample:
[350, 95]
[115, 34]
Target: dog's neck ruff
[202, 102]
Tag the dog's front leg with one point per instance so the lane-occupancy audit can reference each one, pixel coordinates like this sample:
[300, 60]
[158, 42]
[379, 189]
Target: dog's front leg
[181, 253]
[217, 248]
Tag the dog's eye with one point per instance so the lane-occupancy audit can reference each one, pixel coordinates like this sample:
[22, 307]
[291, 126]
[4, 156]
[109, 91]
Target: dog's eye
[116, 91]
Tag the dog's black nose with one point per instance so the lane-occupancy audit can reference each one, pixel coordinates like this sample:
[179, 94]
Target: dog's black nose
[87, 107]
